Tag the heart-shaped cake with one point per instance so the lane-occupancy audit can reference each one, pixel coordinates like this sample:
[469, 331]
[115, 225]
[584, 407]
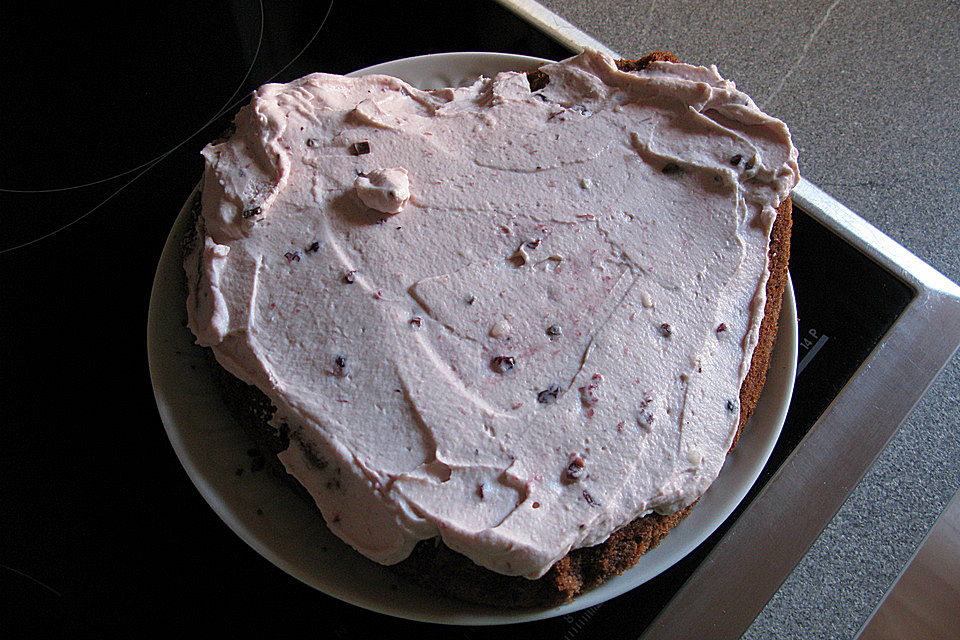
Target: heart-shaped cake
[521, 318]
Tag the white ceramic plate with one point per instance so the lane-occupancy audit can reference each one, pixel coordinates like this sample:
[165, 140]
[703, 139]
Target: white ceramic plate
[289, 532]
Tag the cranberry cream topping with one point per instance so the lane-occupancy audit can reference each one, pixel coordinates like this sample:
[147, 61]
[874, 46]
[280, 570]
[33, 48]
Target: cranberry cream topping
[542, 319]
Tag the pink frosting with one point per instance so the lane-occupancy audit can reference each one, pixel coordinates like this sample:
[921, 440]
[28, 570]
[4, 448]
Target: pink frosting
[491, 315]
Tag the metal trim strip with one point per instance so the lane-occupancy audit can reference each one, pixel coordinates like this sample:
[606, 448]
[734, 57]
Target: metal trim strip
[555, 26]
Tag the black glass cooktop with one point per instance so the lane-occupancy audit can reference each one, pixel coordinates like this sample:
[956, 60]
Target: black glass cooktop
[106, 111]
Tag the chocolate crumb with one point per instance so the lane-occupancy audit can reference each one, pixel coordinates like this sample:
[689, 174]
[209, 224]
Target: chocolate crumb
[360, 148]
[314, 247]
[735, 160]
[502, 364]
[731, 406]
[470, 299]
[531, 244]
[549, 395]
[311, 142]
[666, 330]
[249, 213]
[748, 165]
[416, 321]
[535, 505]
[589, 498]
[671, 168]
[721, 327]
[574, 470]
[554, 330]
[538, 80]
[350, 277]
[292, 256]
[480, 490]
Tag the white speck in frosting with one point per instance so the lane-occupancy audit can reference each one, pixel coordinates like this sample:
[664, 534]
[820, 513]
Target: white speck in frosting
[500, 329]
[386, 190]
